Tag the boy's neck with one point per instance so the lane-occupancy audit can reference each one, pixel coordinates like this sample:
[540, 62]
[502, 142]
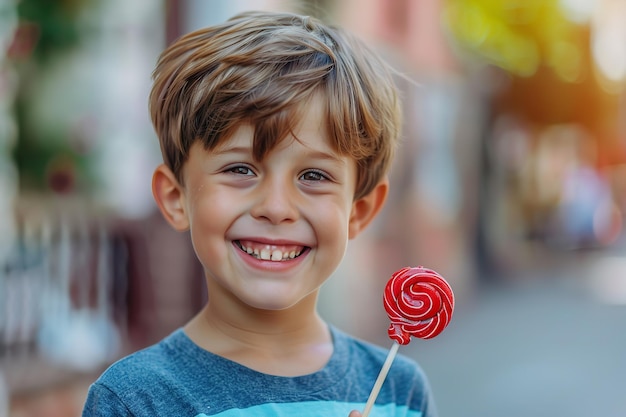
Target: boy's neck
[287, 343]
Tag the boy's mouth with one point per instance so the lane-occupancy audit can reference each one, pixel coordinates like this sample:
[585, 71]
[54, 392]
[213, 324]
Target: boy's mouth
[276, 253]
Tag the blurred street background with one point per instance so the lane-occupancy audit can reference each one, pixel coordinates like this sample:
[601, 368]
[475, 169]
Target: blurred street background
[510, 181]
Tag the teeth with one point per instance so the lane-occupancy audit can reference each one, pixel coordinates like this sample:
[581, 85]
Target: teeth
[270, 255]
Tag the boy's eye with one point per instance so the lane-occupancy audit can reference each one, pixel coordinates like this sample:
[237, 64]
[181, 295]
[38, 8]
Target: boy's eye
[313, 176]
[240, 170]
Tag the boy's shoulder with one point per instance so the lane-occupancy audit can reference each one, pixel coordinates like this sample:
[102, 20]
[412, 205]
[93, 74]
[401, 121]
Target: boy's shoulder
[151, 381]
[163, 359]
[371, 358]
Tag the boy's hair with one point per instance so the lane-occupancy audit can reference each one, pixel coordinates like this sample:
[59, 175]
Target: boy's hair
[262, 68]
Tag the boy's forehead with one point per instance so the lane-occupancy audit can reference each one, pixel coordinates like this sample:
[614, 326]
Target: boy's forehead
[308, 125]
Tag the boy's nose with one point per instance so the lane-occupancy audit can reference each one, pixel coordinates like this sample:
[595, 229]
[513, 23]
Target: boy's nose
[276, 202]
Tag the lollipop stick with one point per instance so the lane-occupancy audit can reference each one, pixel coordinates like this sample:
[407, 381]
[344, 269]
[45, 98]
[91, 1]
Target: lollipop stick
[381, 378]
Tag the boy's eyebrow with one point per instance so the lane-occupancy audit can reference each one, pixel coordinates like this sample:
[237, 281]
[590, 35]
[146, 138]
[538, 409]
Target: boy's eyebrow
[232, 149]
[326, 155]
[313, 154]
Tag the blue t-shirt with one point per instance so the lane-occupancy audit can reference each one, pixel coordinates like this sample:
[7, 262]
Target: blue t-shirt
[177, 378]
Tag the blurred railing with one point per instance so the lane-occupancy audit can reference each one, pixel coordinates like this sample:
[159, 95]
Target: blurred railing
[62, 292]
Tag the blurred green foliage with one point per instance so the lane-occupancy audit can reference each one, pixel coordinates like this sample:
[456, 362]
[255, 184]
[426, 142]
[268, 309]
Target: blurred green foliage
[45, 155]
[56, 21]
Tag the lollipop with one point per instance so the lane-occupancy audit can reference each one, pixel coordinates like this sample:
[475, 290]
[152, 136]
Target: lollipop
[419, 303]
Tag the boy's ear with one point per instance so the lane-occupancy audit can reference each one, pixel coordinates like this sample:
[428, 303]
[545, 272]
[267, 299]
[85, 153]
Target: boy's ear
[169, 196]
[365, 209]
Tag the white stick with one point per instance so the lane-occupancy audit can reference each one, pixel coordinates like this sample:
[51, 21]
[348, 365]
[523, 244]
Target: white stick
[381, 378]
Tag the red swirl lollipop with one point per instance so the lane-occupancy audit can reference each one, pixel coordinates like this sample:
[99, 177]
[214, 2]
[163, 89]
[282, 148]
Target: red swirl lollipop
[419, 303]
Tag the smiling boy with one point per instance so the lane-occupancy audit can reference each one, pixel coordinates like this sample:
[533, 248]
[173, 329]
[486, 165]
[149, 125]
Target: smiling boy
[277, 133]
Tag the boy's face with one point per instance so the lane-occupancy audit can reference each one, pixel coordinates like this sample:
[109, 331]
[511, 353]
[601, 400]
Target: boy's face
[269, 233]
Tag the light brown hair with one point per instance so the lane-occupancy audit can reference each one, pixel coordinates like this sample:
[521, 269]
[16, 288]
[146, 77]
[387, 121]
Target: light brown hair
[262, 68]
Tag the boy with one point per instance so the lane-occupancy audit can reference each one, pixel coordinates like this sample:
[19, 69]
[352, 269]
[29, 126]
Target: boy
[277, 133]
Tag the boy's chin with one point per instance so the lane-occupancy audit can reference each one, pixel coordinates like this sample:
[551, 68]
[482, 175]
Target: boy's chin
[274, 303]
